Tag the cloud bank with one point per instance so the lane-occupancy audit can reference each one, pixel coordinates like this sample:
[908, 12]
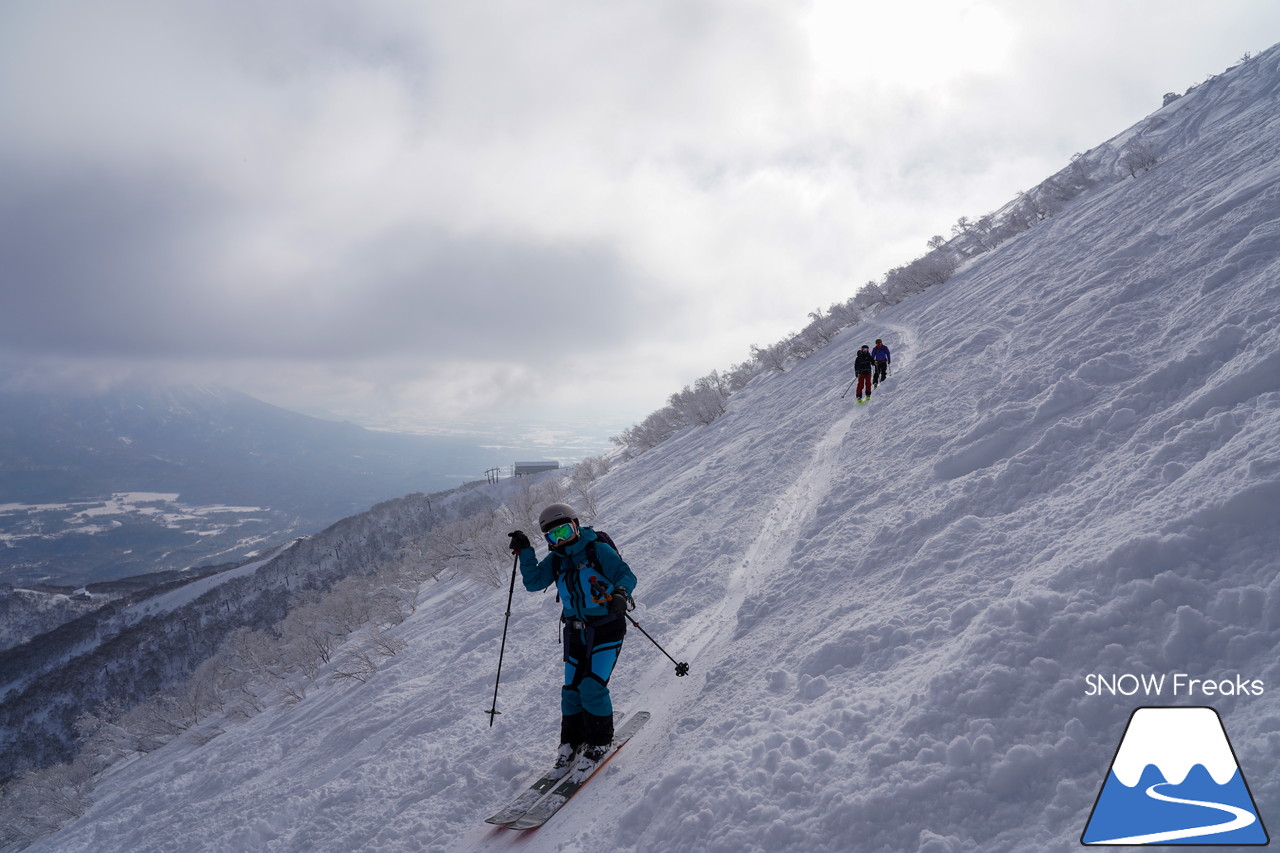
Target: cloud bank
[455, 209]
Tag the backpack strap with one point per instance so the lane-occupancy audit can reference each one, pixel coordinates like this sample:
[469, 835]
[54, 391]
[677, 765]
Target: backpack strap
[557, 560]
[596, 562]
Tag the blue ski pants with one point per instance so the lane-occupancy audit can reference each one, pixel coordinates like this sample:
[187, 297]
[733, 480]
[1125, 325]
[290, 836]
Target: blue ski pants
[590, 654]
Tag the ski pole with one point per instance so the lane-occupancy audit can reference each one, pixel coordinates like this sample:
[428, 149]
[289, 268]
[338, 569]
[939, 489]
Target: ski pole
[846, 391]
[599, 589]
[681, 668]
[502, 650]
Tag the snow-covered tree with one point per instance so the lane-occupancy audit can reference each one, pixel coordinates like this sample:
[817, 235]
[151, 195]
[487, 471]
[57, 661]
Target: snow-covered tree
[476, 546]
[870, 295]
[356, 665]
[38, 802]
[1138, 155]
[771, 357]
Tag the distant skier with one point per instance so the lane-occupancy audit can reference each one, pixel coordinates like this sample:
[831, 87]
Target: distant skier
[595, 584]
[880, 355]
[863, 365]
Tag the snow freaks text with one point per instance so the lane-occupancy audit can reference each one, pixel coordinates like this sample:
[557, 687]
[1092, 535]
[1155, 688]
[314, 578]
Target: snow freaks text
[1170, 684]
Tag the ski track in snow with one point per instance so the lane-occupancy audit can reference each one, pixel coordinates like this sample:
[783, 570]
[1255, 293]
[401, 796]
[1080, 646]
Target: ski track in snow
[1240, 819]
[889, 610]
[772, 548]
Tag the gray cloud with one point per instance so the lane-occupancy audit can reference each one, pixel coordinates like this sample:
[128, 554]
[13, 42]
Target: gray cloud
[109, 265]
[417, 205]
[90, 260]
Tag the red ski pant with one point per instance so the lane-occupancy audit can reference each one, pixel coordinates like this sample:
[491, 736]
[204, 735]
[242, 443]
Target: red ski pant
[864, 384]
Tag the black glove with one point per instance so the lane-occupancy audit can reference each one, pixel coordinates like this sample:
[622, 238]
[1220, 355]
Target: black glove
[519, 541]
[618, 604]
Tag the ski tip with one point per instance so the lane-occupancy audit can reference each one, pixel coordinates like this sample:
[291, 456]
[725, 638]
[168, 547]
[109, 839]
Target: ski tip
[630, 726]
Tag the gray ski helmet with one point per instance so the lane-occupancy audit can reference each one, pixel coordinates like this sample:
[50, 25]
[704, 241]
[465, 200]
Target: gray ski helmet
[555, 514]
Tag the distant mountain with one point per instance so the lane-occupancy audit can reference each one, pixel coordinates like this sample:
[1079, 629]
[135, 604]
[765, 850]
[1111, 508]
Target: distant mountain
[144, 637]
[193, 451]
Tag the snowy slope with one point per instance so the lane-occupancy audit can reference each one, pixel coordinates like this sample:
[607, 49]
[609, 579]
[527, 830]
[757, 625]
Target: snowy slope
[891, 610]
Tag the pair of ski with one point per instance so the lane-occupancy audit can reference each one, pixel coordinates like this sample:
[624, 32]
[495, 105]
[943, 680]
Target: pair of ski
[536, 806]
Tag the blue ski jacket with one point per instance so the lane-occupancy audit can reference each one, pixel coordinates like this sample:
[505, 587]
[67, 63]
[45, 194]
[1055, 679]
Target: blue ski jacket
[573, 581]
[880, 352]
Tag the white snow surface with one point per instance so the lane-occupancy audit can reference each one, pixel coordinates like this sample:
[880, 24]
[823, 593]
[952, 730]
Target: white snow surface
[1174, 740]
[889, 610]
[168, 602]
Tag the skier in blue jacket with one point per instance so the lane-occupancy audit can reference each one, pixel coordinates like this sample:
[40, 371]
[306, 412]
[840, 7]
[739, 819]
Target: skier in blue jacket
[880, 355]
[595, 584]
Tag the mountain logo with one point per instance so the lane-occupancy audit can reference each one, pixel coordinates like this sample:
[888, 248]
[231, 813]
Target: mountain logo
[1175, 780]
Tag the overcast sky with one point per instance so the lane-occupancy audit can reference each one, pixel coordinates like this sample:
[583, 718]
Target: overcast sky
[435, 212]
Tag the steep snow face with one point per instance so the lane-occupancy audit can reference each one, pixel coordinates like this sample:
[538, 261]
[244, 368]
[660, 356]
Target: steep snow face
[890, 610]
[1174, 741]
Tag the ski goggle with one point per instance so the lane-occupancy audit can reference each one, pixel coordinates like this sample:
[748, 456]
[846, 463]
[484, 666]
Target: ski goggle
[561, 533]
